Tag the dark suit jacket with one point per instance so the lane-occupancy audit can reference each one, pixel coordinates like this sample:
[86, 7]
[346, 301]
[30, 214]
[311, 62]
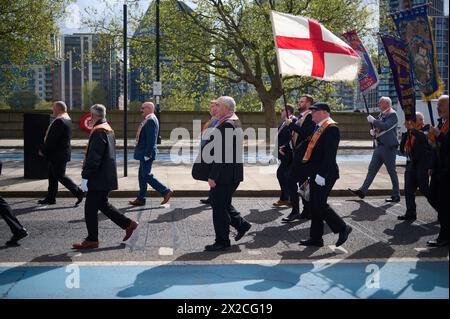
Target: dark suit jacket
[221, 171]
[99, 166]
[147, 140]
[441, 157]
[56, 147]
[284, 137]
[304, 133]
[421, 153]
[323, 156]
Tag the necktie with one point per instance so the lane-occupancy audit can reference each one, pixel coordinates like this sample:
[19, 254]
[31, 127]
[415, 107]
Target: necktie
[316, 128]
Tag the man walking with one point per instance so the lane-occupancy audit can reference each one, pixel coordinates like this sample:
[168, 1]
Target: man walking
[439, 185]
[302, 128]
[283, 138]
[385, 133]
[224, 170]
[99, 177]
[56, 149]
[414, 145]
[145, 153]
[323, 171]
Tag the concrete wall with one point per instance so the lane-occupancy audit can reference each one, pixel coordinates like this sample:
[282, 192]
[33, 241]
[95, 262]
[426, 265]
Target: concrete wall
[352, 125]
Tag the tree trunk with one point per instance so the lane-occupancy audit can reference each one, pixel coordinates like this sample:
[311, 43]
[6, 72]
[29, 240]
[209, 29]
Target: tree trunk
[269, 113]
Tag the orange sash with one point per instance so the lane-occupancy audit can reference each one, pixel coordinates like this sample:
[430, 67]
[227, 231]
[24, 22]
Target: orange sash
[102, 126]
[432, 138]
[315, 138]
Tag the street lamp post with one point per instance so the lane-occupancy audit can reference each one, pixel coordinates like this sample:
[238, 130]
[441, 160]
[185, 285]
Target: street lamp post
[157, 88]
[125, 94]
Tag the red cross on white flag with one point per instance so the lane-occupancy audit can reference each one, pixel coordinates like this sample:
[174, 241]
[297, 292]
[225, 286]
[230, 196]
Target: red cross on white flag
[305, 47]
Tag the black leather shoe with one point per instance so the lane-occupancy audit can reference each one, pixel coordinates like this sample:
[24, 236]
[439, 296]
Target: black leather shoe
[80, 197]
[305, 215]
[205, 201]
[343, 235]
[393, 199]
[15, 238]
[242, 232]
[357, 192]
[312, 242]
[437, 243]
[217, 247]
[409, 217]
[290, 218]
[45, 201]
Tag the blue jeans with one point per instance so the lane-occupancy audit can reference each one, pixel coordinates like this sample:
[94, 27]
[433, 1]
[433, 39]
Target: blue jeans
[145, 177]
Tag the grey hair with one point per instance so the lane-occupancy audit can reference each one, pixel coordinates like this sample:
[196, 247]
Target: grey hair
[419, 114]
[386, 99]
[61, 105]
[99, 110]
[443, 97]
[228, 101]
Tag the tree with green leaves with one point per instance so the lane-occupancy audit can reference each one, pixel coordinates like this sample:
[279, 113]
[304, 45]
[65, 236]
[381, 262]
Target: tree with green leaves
[28, 30]
[93, 93]
[23, 100]
[231, 42]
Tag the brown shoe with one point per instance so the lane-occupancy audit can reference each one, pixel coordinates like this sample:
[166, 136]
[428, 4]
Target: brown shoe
[86, 245]
[167, 197]
[282, 203]
[130, 229]
[136, 202]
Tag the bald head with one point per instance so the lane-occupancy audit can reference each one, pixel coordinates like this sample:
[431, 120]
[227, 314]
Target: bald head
[442, 106]
[147, 108]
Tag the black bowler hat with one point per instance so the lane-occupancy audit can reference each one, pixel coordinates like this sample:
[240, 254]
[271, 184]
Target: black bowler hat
[321, 106]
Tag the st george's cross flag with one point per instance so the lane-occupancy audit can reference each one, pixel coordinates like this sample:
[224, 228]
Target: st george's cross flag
[305, 47]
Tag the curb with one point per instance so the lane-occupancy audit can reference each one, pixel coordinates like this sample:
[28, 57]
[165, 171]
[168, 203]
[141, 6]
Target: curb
[194, 193]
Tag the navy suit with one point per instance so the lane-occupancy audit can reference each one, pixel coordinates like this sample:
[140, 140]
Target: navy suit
[146, 147]
[284, 137]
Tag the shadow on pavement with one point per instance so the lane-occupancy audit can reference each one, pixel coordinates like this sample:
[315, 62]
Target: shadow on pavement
[368, 212]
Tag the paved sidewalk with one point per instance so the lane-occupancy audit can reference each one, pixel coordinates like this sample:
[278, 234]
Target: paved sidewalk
[259, 180]
[81, 143]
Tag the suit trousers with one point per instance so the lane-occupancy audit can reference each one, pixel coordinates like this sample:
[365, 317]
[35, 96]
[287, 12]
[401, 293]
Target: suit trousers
[98, 200]
[11, 220]
[297, 175]
[237, 222]
[438, 199]
[221, 197]
[321, 211]
[382, 155]
[145, 177]
[415, 177]
[282, 176]
[57, 173]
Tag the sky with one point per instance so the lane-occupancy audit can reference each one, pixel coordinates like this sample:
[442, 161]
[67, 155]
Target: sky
[76, 11]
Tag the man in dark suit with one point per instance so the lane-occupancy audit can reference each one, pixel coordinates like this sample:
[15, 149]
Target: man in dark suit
[439, 185]
[56, 149]
[283, 138]
[145, 153]
[414, 144]
[302, 130]
[220, 163]
[99, 177]
[323, 171]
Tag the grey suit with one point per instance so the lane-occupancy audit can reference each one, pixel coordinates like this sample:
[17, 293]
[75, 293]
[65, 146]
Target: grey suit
[385, 152]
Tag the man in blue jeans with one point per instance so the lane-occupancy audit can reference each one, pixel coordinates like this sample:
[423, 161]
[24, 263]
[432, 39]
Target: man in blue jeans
[145, 153]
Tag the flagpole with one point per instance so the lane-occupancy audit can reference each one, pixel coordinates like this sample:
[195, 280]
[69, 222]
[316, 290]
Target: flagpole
[430, 110]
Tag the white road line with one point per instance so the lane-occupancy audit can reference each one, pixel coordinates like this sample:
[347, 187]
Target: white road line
[375, 239]
[165, 251]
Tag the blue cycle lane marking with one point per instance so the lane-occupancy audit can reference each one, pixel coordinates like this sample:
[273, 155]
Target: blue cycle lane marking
[392, 280]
